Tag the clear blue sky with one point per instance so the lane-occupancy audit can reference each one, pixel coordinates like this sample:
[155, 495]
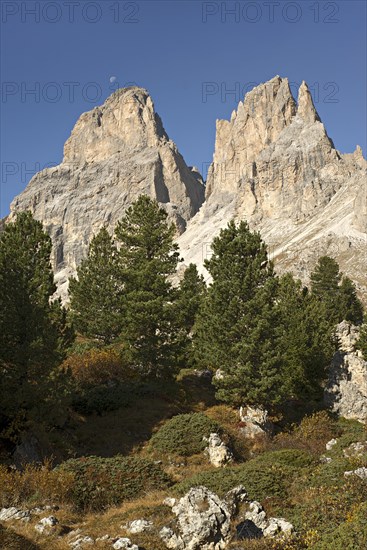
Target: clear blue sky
[177, 50]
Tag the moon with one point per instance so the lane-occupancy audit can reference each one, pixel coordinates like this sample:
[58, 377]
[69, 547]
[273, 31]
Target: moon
[113, 79]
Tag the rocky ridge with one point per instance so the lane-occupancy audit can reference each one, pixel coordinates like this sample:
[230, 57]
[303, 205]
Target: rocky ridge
[275, 166]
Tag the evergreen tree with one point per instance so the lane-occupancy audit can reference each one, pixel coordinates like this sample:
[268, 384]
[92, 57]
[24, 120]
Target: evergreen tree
[337, 293]
[33, 330]
[186, 306]
[96, 295]
[236, 326]
[305, 339]
[325, 281]
[351, 308]
[147, 257]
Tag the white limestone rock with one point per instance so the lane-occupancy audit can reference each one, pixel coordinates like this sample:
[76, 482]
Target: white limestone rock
[218, 452]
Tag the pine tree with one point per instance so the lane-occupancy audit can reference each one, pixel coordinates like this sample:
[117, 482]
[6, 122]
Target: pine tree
[186, 306]
[34, 333]
[96, 294]
[305, 339]
[337, 293]
[147, 257]
[235, 330]
[351, 308]
[325, 281]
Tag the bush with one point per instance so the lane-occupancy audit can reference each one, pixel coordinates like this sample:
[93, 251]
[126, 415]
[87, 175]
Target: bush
[350, 535]
[103, 482]
[268, 475]
[35, 485]
[102, 380]
[100, 399]
[183, 434]
[97, 366]
[311, 434]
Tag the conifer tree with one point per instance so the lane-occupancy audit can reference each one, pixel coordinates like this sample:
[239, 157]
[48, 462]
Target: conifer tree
[337, 293]
[351, 308]
[305, 339]
[34, 333]
[186, 306]
[147, 257]
[96, 294]
[236, 326]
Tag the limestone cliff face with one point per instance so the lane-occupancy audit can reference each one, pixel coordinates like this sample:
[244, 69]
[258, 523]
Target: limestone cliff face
[115, 153]
[275, 166]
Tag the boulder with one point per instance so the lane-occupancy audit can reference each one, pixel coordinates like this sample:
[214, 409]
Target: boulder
[359, 472]
[203, 520]
[218, 452]
[330, 444]
[257, 525]
[123, 543]
[81, 542]
[355, 449]
[255, 422]
[46, 525]
[139, 526]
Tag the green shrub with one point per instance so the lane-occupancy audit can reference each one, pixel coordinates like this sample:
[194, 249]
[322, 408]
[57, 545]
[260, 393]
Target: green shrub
[259, 484]
[183, 434]
[102, 398]
[351, 431]
[103, 482]
[268, 475]
[290, 458]
[349, 535]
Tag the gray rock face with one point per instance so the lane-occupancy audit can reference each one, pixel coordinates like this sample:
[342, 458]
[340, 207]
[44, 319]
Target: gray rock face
[115, 153]
[275, 166]
[346, 391]
[203, 520]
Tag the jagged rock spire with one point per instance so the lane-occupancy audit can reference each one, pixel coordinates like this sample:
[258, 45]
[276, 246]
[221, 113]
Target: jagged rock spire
[306, 108]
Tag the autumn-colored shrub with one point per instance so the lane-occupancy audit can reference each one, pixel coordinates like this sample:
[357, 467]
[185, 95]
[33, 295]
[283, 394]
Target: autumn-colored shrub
[97, 366]
[311, 434]
[35, 485]
[102, 380]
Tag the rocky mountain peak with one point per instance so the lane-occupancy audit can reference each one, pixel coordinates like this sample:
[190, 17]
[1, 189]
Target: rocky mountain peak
[275, 166]
[306, 108]
[126, 119]
[115, 153]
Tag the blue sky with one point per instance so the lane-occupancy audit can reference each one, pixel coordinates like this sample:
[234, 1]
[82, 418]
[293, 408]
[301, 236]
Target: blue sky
[190, 55]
